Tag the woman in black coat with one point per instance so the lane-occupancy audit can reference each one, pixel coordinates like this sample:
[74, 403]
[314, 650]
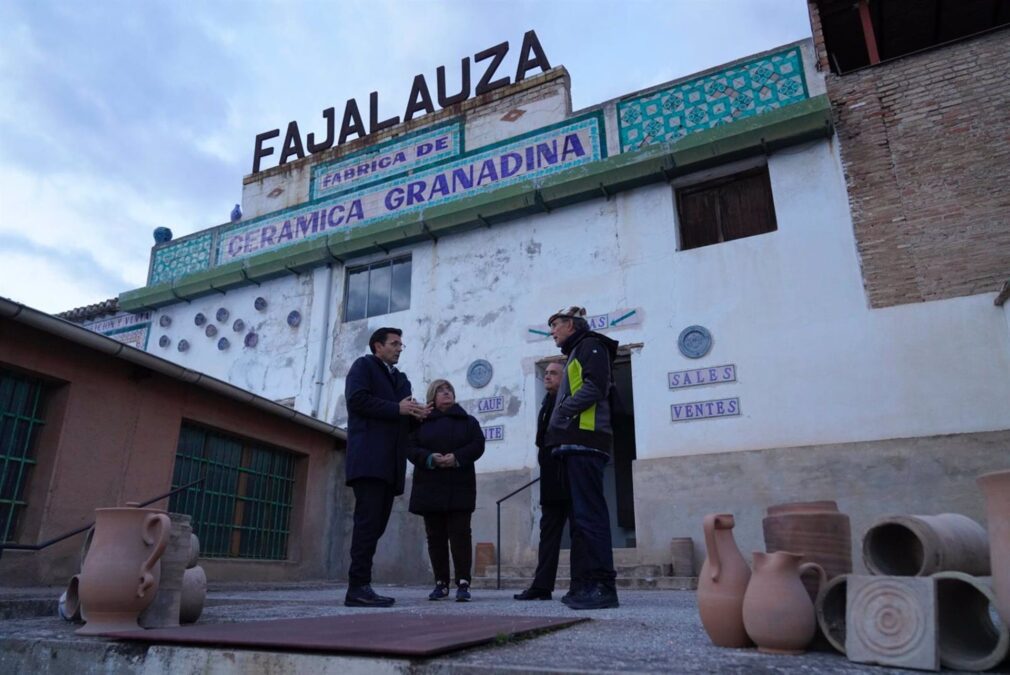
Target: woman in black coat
[444, 490]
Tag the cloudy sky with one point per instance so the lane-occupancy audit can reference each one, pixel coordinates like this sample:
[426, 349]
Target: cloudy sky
[120, 116]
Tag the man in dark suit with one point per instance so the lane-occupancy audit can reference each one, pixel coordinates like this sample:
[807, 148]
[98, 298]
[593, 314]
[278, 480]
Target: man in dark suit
[554, 499]
[380, 409]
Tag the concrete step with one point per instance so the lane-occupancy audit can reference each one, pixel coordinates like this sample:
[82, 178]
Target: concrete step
[662, 583]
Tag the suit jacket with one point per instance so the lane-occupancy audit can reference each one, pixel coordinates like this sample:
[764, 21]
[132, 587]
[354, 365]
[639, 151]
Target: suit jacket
[377, 434]
[552, 485]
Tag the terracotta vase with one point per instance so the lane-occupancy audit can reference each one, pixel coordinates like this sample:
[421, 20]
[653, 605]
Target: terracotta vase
[193, 596]
[120, 575]
[682, 555]
[483, 558]
[918, 546]
[722, 584]
[817, 531]
[777, 612]
[996, 488]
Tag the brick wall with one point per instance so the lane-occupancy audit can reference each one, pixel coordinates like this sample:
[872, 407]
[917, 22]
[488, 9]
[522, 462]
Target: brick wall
[925, 145]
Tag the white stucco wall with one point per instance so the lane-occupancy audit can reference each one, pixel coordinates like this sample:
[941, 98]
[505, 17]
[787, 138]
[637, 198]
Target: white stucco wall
[814, 363]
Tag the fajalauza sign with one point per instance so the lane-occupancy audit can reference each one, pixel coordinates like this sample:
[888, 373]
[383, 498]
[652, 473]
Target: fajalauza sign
[531, 56]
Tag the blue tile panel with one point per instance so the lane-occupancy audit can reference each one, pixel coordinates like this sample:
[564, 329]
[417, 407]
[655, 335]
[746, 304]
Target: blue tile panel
[179, 258]
[739, 92]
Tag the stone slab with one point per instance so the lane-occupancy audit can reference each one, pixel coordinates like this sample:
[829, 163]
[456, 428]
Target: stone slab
[892, 621]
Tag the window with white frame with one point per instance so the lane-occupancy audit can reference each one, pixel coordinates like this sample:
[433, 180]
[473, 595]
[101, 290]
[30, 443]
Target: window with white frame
[378, 288]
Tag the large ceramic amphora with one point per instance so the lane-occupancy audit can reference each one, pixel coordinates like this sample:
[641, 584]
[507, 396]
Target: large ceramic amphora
[996, 488]
[722, 584]
[121, 571]
[777, 612]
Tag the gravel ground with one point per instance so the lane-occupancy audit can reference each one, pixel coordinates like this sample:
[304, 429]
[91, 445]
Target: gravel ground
[652, 632]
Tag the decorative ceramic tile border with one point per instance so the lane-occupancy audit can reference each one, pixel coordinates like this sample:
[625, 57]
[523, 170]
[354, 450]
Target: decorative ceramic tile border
[179, 258]
[543, 152]
[130, 329]
[742, 91]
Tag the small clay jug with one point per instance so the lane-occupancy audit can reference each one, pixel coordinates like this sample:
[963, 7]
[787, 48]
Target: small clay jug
[777, 612]
[996, 488]
[121, 570]
[722, 584]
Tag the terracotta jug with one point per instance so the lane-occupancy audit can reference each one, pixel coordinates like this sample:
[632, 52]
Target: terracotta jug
[996, 488]
[722, 584]
[121, 570]
[777, 612]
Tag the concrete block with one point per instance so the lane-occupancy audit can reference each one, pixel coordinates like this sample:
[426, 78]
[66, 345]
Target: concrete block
[892, 621]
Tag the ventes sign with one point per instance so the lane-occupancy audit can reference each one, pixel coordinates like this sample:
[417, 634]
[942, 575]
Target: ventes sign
[531, 56]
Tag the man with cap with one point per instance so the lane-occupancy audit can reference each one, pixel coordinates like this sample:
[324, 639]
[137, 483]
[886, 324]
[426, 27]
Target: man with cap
[581, 437]
[554, 501]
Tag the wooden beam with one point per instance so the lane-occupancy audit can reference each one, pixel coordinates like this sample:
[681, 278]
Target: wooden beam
[868, 35]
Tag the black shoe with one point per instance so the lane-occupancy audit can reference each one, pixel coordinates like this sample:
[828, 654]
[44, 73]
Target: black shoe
[533, 594]
[596, 596]
[364, 596]
[574, 589]
[463, 591]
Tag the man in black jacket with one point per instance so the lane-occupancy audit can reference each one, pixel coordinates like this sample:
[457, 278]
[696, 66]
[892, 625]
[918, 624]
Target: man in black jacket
[581, 435]
[554, 500]
[379, 411]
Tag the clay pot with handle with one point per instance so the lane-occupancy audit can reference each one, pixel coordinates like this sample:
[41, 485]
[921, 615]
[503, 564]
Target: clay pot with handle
[722, 584]
[777, 612]
[121, 571]
[996, 488]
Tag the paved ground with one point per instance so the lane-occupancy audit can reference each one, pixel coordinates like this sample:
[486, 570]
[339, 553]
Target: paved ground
[652, 632]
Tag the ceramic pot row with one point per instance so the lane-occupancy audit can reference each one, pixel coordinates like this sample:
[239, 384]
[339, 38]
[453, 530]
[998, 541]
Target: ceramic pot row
[769, 607]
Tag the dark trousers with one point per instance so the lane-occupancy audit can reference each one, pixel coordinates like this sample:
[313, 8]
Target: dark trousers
[445, 531]
[373, 502]
[553, 516]
[592, 551]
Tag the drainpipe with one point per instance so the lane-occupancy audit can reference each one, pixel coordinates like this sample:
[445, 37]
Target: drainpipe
[324, 342]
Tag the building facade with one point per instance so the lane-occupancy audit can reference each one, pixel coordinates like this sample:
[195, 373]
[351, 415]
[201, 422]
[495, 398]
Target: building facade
[793, 327]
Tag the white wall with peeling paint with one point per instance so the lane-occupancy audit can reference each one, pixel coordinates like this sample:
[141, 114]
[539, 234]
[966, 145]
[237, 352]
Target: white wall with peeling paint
[815, 364]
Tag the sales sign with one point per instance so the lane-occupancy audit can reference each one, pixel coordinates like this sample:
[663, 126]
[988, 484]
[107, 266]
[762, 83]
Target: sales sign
[495, 433]
[696, 410]
[491, 404]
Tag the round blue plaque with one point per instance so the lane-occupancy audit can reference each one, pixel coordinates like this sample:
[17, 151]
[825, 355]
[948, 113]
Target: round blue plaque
[694, 342]
[479, 373]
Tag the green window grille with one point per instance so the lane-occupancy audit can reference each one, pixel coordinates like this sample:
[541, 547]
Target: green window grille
[243, 507]
[21, 403]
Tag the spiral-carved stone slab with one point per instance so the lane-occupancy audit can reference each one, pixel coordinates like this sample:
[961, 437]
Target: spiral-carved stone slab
[892, 621]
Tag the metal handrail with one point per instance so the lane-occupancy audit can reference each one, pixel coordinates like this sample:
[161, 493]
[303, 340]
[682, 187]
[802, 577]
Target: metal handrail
[67, 535]
[497, 550]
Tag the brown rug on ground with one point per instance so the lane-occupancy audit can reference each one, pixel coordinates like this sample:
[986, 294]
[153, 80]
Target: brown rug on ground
[381, 633]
